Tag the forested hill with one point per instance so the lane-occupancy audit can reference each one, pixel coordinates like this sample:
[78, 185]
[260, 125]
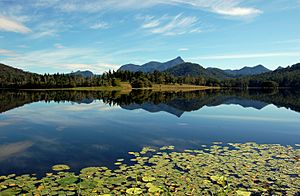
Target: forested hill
[185, 73]
[16, 78]
[10, 75]
[284, 77]
[196, 70]
[7, 71]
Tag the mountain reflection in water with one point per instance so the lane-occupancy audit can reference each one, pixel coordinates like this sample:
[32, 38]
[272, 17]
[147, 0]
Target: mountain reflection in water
[175, 103]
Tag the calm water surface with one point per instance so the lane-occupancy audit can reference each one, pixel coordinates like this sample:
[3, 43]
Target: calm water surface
[40, 129]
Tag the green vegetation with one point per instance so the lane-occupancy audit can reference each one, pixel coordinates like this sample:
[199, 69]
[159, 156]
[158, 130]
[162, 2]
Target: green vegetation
[231, 169]
[116, 82]
[187, 73]
[141, 82]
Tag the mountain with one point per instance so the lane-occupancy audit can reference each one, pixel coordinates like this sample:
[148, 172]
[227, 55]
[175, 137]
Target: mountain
[247, 71]
[8, 70]
[187, 69]
[178, 67]
[86, 74]
[278, 68]
[153, 108]
[193, 69]
[10, 75]
[152, 66]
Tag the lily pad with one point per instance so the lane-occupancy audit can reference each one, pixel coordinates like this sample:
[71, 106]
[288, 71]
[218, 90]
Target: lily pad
[60, 167]
[134, 191]
[243, 193]
[148, 179]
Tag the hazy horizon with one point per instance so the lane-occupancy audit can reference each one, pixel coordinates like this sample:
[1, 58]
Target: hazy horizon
[49, 36]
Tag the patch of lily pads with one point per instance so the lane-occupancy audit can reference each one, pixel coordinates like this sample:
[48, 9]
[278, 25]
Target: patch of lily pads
[233, 169]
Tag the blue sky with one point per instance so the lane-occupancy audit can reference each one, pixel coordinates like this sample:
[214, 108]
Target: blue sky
[48, 36]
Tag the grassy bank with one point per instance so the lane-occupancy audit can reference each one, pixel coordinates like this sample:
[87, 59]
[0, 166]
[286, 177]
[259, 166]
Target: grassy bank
[126, 87]
[178, 87]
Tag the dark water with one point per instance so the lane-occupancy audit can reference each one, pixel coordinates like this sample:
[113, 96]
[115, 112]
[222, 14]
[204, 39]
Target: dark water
[40, 129]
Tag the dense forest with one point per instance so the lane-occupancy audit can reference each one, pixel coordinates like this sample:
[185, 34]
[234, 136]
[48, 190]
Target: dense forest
[16, 78]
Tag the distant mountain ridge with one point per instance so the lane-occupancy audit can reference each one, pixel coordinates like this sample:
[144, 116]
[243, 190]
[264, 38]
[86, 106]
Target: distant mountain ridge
[152, 66]
[193, 69]
[86, 74]
[247, 71]
[178, 67]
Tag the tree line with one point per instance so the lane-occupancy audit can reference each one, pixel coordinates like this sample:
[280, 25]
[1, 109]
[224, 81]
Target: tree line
[288, 77]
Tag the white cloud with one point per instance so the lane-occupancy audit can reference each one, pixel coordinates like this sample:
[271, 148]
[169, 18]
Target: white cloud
[62, 60]
[97, 68]
[8, 24]
[58, 46]
[49, 28]
[4, 52]
[151, 24]
[175, 25]
[248, 56]
[238, 11]
[183, 49]
[100, 25]
[228, 8]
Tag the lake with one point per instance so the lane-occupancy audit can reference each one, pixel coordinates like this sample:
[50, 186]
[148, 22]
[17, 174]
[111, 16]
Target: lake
[39, 129]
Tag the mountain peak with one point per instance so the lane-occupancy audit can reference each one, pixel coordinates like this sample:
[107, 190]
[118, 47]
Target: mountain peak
[179, 58]
[152, 66]
[85, 73]
[246, 71]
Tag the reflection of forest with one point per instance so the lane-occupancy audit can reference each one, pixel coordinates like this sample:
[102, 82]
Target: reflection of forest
[172, 102]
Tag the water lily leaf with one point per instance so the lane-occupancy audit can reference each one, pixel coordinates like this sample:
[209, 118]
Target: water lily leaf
[67, 180]
[148, 179]
[60, 167]
[134, 191]
[219, 179]
[10, 191]
[243, 193]
[154, 189]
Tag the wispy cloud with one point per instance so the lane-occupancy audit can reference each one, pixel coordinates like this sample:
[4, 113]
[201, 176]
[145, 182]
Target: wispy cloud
[247, 56]
[49, 28]
[8, 24]
[183, 49]
[228, 8]
[171, 25]
[237, 11]
[58, 46]
[100, 25]
[60, 59]
[4, 52]
[151, 24]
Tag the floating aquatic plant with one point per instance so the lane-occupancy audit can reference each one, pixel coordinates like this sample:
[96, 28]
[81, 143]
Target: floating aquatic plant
[233, 169]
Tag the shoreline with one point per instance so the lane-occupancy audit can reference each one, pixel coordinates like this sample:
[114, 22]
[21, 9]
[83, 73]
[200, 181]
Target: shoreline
[125, 87]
